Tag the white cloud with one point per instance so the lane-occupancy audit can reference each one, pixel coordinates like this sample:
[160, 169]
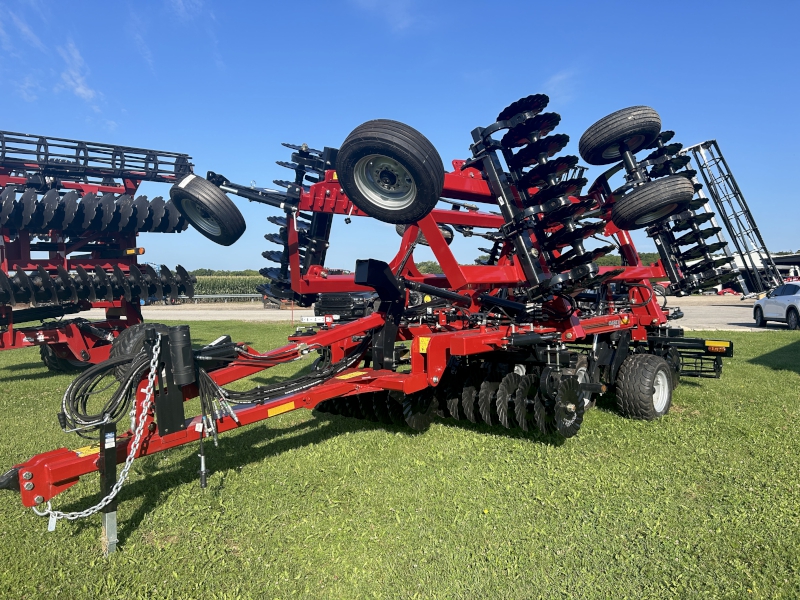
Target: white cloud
[398, 14]
[74, 77]
[27, 32]
[28, 88]
[560, 87]
[186, 9]
[5, 41]
[144, 49]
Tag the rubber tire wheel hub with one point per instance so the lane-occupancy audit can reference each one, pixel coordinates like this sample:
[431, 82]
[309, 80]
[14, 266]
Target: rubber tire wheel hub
[636, 127]
[208, 209]
[409, 177]
[652, 202]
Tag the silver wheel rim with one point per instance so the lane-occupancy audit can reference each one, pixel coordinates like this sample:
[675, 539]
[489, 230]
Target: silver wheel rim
[657, 214]
[385, 182]
[200, 218]
[660, 391]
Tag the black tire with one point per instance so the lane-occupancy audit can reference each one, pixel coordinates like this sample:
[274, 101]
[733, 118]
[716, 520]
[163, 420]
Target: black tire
[644, 387]
[130, 342]
[390, 171]
[652, 202]
[636, 126]
[208, 209]
[758, 315]
[55, 363]
[793, 319]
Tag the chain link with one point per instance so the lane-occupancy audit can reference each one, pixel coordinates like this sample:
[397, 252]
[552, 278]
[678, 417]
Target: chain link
[137, 438]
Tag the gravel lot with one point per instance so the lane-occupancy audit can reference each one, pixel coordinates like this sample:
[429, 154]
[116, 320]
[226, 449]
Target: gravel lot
[727, 313]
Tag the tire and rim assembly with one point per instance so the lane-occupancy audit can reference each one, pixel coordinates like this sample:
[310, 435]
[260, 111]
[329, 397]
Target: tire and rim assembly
[390, 171]
[758, 315]
[208, 209]
[644, 387]
[635, 127]
[55, 363]
[793, 319]
[130, 342]
[652, 202]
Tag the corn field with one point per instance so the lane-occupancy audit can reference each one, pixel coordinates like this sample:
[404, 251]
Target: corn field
[213, 284]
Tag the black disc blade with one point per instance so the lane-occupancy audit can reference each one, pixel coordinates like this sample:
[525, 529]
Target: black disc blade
[535, 103]
[530, 130]
[540, 150]
[540, 174]
[701, 250]
[698, 219]
[705, 265]
[695, 236]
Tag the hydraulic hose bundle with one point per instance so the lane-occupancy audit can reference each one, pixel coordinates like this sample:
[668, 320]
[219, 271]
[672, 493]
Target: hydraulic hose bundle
[75, 416]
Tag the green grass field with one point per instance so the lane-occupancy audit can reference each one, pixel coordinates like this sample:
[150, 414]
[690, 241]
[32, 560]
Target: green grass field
[705, 502]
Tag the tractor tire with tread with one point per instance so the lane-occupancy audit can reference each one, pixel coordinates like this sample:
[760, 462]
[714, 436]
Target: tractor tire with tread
[390, 171]
[636, 126]
[130, 341]
[644, 387]
[208, 209]
[652, 202]
[56, 364]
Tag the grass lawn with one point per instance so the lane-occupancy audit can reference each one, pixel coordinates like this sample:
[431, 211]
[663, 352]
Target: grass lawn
[705, 502]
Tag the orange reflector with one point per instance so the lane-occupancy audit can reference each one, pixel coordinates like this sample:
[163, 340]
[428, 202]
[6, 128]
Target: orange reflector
[133, 251]
[280, 409]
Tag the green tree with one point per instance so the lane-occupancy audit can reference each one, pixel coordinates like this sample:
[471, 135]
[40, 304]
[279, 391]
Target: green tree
[429, 266]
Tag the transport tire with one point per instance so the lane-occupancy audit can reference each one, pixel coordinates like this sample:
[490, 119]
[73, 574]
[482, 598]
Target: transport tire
[758, 315]
[390, 171]
[55, 363]
[636, 127]
[644, 387]
[652, 202]
[208, 209]
[130, 341]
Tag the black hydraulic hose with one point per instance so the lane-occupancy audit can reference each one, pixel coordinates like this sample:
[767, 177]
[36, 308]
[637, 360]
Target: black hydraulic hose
[74, 405]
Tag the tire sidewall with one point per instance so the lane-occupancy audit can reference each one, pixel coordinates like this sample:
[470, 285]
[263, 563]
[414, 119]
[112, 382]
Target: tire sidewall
[427, 191]
[214, 200]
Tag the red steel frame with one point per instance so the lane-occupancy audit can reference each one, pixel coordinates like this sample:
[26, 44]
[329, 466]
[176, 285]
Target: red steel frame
[431, 345]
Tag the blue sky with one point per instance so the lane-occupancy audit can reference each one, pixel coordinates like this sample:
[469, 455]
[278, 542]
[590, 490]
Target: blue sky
[226, 82]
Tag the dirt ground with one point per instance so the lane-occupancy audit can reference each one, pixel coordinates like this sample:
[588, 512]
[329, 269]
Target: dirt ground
[727, 313]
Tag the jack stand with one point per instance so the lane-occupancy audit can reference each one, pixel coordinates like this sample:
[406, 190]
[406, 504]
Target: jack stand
[203, 470]
[108, 477]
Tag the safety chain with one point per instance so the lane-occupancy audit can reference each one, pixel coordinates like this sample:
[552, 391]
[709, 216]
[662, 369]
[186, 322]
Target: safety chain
[55, 515]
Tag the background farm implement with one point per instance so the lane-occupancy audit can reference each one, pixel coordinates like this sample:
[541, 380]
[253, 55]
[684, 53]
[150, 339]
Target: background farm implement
[69, 218]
